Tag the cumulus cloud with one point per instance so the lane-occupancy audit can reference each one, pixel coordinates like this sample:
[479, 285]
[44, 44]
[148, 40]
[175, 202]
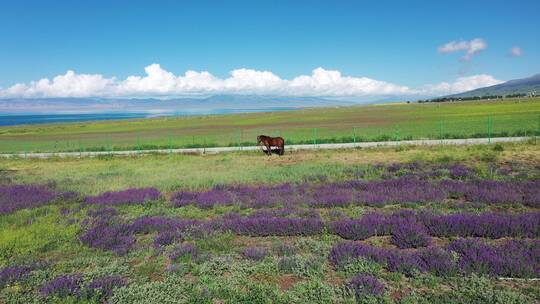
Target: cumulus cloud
[516, 51]
[471, 47]
[160, 82]
[462, 84]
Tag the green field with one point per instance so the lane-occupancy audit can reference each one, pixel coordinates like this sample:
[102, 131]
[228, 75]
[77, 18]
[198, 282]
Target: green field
[50, 234]
[512, 117]
[196, 172]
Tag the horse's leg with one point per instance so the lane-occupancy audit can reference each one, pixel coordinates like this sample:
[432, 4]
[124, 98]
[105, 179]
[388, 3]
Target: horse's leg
[282, 150]
[269, 150]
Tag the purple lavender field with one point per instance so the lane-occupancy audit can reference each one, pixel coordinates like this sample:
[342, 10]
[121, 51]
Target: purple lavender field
[409, 232]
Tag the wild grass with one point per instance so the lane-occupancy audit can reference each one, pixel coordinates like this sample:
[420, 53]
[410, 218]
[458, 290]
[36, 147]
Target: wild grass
[193, 172]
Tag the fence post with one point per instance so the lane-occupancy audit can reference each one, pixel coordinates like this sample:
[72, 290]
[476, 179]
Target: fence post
[354, 134]
[170, 144]
[138, 143]
[537, 131]
[238, 140]
[441, 136]
[489, 128]
[80, 149]
[314, 136]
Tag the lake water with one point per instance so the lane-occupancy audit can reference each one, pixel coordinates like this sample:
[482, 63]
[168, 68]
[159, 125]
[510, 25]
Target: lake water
[17, 119]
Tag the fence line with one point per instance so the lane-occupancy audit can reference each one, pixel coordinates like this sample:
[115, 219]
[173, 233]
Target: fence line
[440, 129]
[214, 150]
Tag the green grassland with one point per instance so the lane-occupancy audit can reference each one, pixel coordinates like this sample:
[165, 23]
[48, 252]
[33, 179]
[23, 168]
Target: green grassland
[50, 234]
[512, 117]
[196, 172]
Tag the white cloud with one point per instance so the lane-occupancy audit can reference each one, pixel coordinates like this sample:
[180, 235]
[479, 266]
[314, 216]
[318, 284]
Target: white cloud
[160, 82]
[471, 47]
[516, 51]
[462, 84]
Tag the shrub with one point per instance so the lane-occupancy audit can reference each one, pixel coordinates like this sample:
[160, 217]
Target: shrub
[103, 288]
[512, 258]
[166, 292]
[16, 197]
[14, 273]
[410, 236]
[365, 284]
[262, 226]
[184, 251]
[63, 286]
[167, 237]
[283, 249]
[109, 234]
[255, 253]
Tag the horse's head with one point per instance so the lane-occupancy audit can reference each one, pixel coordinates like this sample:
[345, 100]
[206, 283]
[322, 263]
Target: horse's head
[259, 139]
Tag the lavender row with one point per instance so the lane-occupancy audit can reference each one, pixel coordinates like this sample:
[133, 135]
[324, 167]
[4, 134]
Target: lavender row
[17, 197]
[520, 259]
[371, 193]
[408, 229]
[416, 224]
[424, 170]
[267, 226]
[74, 286]
[14, 273]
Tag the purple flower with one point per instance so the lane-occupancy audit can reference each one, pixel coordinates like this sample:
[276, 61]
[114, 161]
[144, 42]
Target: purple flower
[364, 284]
[109, 234]
[184, 251]
[460, 171]
[416, 188]
[167, 237]
[104, 287]
[513, 258]
[437, 261]
[255, 253]
[63, 286]
[14, 273]
[267, 226]
[16, 197]
[410, 235]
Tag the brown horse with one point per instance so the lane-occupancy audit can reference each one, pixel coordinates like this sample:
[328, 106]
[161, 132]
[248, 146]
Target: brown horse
[270, 142]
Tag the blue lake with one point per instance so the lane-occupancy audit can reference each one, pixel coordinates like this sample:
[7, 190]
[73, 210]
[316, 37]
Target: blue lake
[19, 119]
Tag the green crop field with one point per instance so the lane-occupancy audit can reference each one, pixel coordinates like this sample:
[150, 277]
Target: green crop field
[512, 117]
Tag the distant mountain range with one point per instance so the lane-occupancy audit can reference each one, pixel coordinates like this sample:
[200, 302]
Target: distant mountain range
[511, 87]
[218, 104]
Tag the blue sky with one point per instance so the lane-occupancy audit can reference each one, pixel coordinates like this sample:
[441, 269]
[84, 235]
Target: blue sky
[395, 42]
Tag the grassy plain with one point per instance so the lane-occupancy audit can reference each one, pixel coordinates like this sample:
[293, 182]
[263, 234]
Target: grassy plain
[341, 124]
[173, 172]
[50, 233]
